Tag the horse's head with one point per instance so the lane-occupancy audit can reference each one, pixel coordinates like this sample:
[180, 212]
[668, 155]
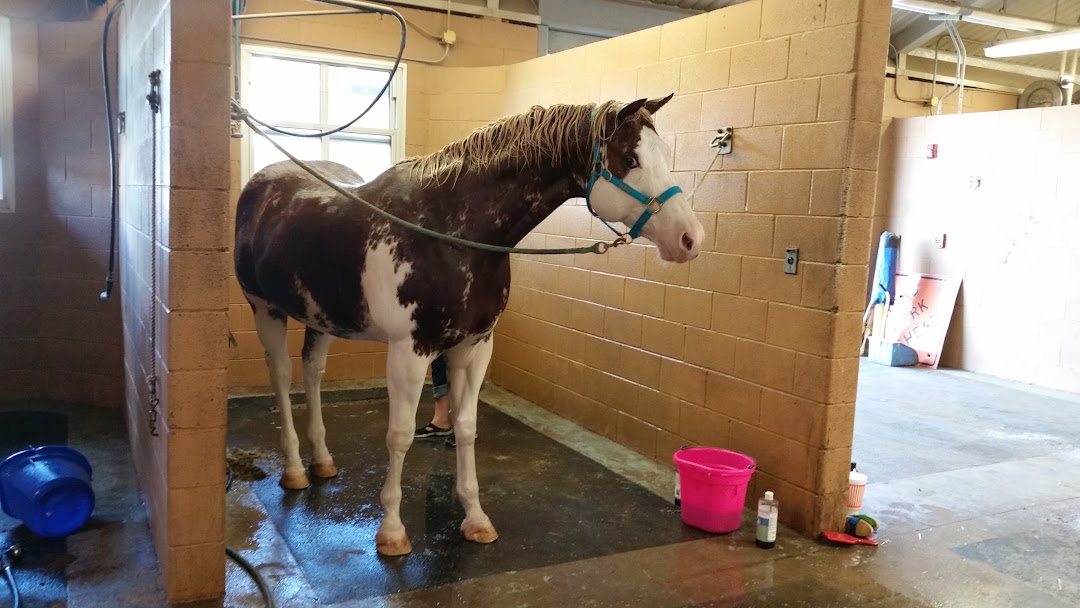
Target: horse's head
[630, 181]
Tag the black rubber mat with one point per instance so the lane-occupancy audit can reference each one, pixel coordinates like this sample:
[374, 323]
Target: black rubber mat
[549, 503]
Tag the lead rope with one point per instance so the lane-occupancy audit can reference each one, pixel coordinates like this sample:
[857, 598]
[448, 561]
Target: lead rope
[693, 190]
[600, 247]
[154, 99]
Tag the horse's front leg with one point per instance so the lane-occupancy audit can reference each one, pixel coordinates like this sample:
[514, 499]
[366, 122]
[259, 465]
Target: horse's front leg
[468, 363]
[405, 372]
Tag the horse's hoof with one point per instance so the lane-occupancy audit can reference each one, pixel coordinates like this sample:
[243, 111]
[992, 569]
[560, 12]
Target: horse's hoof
[479, 531]
[324, 470]
[294, 481]
[392, 545]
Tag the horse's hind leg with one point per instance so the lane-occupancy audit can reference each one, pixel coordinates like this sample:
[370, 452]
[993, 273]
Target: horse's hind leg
[468, 363]
[405, 371]
[271, 326]
[316, 345]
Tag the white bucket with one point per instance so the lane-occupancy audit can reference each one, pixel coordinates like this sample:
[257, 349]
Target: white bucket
[856, 489]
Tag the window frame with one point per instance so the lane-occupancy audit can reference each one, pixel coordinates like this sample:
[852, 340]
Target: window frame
[7, 118]
[396, 132]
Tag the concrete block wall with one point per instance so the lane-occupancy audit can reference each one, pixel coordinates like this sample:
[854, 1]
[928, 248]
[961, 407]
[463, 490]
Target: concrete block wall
[480, 41]
[59, 340]
[728, 350]
[443, 102]
[975, 100]
[1011, 240]
[21, 361]
[180, 467]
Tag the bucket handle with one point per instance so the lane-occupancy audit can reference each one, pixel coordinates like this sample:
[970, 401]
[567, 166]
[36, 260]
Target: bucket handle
[713, 471]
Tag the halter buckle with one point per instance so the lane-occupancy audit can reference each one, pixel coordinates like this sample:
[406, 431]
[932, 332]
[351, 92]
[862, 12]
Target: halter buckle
[623, 239]
[654, 206]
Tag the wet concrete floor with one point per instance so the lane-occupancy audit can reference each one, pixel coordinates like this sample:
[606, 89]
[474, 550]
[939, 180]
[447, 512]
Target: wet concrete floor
[110, 561]
[974, 482]
[550, 504]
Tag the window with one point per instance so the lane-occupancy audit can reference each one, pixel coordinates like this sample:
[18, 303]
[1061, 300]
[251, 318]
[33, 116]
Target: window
[7, 135]
[309, 92]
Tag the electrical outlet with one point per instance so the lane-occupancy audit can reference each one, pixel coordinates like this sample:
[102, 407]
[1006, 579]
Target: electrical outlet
[939, 240]
[791, 260]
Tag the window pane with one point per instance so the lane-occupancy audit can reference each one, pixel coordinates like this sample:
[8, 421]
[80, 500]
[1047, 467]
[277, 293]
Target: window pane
[282, 89]
[368, 158]
[263, 153]
[351, 90]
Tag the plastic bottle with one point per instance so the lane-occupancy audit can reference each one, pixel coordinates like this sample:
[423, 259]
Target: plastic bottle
[768, 511]
[678, 497]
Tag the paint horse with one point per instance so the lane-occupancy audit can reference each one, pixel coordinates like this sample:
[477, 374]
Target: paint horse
[304, 250]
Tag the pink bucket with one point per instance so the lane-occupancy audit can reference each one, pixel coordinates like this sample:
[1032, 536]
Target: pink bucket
[712, 487]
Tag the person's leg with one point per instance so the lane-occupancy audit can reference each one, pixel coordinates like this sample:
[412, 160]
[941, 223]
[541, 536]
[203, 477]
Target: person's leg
[440, 420]
[441, 389]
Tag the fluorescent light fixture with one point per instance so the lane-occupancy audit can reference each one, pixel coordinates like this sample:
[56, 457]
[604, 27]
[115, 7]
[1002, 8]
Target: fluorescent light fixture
[1033, 45]
[925, 7]
[1002, 21]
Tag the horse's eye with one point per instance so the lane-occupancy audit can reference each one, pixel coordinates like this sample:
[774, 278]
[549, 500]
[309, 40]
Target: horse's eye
[631, 162]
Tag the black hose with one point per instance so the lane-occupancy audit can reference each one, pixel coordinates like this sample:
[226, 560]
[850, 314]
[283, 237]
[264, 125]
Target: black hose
[385, 88]
[109, 278]
[260, 582]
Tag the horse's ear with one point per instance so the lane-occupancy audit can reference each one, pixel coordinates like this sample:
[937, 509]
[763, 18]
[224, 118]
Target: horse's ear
[629, 110]
[653, 105]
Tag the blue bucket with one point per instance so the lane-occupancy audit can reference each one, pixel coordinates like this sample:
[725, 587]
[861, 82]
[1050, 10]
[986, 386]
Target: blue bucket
[48, 489]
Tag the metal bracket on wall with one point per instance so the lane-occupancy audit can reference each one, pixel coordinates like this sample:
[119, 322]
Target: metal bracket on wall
[154, 97]
[722, 141]
[791, 260]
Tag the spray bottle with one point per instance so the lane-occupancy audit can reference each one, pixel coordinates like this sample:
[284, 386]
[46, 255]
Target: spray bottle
[768, 511]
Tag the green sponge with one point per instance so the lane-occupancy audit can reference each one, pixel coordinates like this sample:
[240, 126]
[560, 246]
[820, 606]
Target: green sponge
[862, 526]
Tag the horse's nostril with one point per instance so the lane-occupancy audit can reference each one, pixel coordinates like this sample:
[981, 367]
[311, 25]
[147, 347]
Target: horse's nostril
[687, 242]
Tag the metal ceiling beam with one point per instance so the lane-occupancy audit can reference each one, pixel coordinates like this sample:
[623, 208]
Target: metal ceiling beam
[976, 77]
[924, 31]
[693, 5]
[990, 64]
[925, 77]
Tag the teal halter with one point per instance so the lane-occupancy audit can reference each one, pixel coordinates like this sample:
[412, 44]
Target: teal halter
[652, 205]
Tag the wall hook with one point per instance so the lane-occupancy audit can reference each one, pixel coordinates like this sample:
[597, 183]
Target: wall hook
[722, 141]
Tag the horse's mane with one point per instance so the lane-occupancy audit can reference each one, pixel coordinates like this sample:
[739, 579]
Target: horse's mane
[539, 135]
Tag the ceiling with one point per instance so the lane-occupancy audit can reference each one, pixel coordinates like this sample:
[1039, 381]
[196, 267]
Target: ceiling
[698, 5]
[914, 35]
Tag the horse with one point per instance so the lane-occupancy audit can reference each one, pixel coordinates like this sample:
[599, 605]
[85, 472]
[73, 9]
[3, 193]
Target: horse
[306, 251]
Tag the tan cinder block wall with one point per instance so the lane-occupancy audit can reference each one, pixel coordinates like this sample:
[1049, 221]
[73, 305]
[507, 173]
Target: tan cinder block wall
[728, 350]
[180, 468]
[58, 340]
[443, 102]
[1011, 240]
[975, 100]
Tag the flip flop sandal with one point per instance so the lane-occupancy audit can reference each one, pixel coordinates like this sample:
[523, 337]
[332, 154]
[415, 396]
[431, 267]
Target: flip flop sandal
[430, 430]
